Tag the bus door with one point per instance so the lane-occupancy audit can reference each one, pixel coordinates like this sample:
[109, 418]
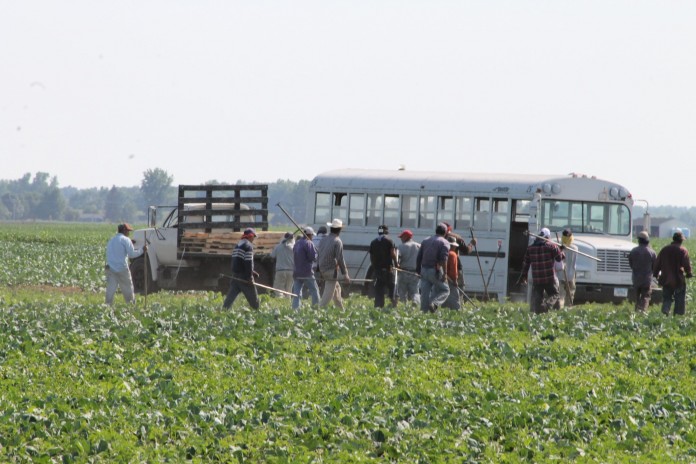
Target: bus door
[518, 242]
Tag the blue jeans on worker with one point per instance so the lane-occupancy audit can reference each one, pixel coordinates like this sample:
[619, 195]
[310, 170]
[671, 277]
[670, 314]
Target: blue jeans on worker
[311, 284]
[434, 291]
[678, 295]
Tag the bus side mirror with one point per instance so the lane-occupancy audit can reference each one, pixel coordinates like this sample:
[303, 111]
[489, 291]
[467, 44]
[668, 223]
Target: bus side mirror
[152, 217]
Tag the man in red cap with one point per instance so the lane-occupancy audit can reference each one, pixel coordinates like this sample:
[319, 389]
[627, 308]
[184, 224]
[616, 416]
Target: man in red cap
[118, 250]
[407, 282]
[243, 272]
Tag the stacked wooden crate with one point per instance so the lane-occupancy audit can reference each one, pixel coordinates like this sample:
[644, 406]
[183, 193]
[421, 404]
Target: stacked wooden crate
[224, 242]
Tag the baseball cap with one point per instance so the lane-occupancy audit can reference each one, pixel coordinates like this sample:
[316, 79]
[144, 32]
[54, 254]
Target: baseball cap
[406, 234]
[545, 232]
[309, 231]
[250, 231]
[124, 227]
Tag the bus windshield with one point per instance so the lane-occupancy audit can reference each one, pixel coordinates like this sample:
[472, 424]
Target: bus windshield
[586, 217]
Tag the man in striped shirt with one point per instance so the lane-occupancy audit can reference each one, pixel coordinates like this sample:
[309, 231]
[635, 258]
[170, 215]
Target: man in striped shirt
[542, 256]
[243, 271]
[330, 260]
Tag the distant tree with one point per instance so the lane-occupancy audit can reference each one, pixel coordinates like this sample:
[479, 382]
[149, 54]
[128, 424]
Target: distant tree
[113, 206]
[293, 196]
[156, 186]
[51, 204]
[13, 204]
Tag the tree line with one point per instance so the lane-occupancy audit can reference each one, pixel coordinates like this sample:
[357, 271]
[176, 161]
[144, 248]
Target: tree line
[39, 197]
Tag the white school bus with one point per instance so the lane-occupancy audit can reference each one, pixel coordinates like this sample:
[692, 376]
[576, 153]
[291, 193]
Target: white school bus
[499, 210]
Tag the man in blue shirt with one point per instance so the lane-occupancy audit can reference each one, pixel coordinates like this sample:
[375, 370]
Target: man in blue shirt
[431, 264]
[118, 250]
[305, 258]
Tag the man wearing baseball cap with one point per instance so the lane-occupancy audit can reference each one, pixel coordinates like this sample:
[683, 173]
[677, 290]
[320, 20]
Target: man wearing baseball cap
[541, 256]
[118, 251]
[642, 260]
[243, 272]
[431, 264]
[330, 260]
[672, 267]
[383, 260]
[407, 283]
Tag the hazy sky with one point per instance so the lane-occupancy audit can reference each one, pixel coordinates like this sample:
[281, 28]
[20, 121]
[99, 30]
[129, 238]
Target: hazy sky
[96, 92]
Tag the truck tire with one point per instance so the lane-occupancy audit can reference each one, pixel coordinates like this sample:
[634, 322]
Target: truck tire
[137, 269]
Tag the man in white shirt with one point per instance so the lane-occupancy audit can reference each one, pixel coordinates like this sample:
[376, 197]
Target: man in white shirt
[118, 250]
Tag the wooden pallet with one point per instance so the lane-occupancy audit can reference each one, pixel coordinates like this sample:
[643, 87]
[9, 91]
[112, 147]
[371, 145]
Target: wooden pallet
[222, 243]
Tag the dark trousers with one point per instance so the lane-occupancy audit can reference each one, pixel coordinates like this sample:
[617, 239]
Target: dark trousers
[249, 291]
[540, 304]
[678, 295]
[643, 294]
[384, 280]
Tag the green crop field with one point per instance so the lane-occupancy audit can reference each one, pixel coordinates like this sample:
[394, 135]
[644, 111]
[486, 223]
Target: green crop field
[179, 379]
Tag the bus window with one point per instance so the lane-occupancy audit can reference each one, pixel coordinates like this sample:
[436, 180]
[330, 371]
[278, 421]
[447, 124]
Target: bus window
[391, 210]
[356, 214]
[500, 214]
[322, 208]
[409, 211]
[462, 220]
[482, 213]
[340, 206]
[427, 212]
[520, 210]
[374, 209]
[445, 210]
[619, 220]
[595, 218]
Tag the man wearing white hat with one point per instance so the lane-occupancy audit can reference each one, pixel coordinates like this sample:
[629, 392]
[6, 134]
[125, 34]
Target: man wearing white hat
[330, 260]
[542, 256]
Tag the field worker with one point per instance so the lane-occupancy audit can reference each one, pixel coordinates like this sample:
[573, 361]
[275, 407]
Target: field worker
[566, 276]
[671, 268]
[321, 233]
[453, 272]
[463, 248]
[243, 272]
[541, 256]
[284, 264]
[383, 260]
[118, 250]
[329, 261]
[431, 264]
[305, 258]
[407, 282]
[642, 261]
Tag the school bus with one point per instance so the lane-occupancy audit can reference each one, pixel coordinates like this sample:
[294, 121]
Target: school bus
[500, 210]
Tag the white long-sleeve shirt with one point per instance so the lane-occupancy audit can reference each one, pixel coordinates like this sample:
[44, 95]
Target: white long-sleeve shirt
[118, 250]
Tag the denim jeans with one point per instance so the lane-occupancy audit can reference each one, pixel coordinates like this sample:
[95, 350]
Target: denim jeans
[297, 286]
[433, 289]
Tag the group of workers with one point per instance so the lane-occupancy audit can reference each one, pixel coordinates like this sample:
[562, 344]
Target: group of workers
[428, 274]
[671, 267]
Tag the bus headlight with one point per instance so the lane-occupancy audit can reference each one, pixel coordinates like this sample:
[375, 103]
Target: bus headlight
[580, 274]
